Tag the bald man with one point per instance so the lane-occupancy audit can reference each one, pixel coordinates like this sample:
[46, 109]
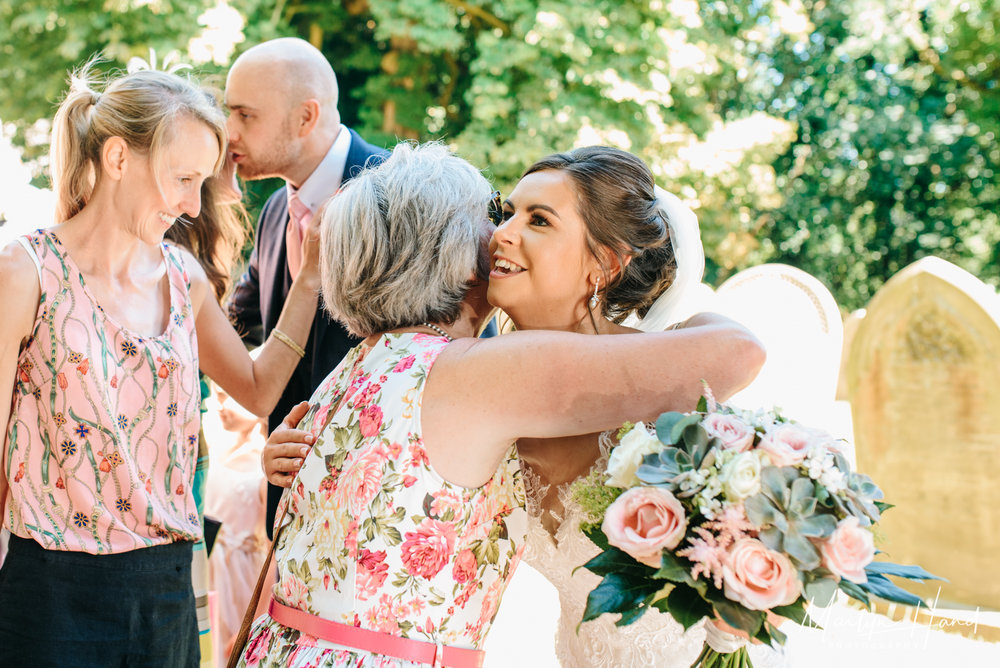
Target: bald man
[283, 122]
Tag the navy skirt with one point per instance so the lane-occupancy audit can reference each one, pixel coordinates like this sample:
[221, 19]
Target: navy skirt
[61, 608]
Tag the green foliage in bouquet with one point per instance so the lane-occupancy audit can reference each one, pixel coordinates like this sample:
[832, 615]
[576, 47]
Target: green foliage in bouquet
[728, 483]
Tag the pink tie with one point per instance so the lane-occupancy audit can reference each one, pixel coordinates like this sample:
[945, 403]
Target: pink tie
[298, 222]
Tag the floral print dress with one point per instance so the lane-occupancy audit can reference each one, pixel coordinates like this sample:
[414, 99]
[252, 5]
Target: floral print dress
[374, 536]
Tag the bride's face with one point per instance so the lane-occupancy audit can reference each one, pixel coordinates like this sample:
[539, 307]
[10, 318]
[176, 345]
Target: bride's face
[542, 271]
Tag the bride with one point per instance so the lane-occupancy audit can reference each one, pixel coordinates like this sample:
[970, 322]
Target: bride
[588, 244]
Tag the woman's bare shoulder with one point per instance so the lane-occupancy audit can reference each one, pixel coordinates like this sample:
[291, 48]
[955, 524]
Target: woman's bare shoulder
[22, 289]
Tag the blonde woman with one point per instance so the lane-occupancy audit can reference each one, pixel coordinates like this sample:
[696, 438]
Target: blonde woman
[105, 328]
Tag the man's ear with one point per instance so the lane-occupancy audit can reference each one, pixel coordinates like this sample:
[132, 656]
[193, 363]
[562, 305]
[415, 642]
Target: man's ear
[115, 157]
[309, 113]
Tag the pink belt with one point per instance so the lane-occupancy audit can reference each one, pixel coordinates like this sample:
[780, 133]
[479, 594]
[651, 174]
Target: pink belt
[386, 644]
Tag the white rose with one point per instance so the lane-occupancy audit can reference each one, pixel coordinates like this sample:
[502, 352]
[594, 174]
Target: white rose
[740, 477]
[627, 456]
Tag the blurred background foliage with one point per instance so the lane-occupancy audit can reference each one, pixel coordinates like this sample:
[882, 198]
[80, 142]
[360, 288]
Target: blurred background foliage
[846, 138]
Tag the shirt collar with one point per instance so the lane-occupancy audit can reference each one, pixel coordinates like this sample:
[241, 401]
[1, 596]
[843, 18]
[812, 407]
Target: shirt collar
[325, 179]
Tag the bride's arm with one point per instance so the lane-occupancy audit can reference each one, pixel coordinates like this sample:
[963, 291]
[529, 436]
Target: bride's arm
[482, 395]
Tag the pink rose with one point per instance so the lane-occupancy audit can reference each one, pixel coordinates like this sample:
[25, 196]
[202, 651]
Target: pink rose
[643, 522]
[759, 578]
[294, 592]
[734, 433]
[426, 550]
[362, 480]
[257, 647]
[372, 573]
[786, 444]
[445, 500]
[848, 550]
[404, 364]
[370, 421]
[491, 601]
[465, 566]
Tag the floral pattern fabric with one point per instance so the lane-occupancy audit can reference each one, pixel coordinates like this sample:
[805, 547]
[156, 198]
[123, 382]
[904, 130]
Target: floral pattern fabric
[103, 434]
[374, 536]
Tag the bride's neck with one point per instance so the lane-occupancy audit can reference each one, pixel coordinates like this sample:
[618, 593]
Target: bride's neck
[599, 325]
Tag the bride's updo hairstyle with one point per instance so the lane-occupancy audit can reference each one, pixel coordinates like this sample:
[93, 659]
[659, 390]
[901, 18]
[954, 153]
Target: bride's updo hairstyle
[616, 200]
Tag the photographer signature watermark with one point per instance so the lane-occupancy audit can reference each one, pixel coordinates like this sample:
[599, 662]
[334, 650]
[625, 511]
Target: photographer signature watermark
[846, 626]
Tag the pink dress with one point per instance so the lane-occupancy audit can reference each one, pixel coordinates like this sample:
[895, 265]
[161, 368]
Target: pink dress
[374, 536]
[103, 434]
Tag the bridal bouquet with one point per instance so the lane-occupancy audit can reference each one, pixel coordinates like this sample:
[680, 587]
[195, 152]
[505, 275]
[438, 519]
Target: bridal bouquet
[731, 514]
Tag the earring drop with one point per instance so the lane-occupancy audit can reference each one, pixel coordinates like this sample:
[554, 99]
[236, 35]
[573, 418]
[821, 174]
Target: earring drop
[593, 299]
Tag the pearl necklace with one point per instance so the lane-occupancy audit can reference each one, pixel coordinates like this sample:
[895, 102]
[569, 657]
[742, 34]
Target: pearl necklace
[438, 330]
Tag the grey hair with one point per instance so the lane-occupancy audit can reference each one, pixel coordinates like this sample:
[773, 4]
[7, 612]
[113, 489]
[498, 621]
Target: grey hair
[400, 242]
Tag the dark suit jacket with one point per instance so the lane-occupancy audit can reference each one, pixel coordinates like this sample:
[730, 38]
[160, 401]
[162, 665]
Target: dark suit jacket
[259, 295]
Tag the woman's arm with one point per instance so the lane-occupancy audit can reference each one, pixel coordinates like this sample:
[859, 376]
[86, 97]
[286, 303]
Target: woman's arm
[256, 384]
[487, 393]
[19, 304]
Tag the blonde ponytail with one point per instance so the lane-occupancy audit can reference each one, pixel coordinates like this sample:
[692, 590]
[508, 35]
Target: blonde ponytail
[74, 158]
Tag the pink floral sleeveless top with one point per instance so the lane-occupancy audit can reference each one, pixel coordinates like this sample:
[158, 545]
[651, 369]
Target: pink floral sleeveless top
[374, 536]
[103, 435]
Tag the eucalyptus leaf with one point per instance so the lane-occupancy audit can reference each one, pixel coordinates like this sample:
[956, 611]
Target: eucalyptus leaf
[855, 592]
[910, 572]
[881, 586]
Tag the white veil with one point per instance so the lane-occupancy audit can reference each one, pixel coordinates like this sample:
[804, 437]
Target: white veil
[685, 236]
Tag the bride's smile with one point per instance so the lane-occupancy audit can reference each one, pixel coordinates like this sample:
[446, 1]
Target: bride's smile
[543, 270]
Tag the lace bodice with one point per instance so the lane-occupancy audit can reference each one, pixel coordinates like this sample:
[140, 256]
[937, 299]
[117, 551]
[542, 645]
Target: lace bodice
[655, 640]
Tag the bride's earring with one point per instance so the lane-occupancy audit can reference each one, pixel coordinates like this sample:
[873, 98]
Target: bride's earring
[594, 299]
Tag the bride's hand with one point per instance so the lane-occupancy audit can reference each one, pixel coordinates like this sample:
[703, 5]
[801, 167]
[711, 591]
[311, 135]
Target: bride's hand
[286, 448]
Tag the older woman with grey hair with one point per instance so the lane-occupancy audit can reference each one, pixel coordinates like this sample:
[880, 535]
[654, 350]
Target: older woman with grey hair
[406, 520]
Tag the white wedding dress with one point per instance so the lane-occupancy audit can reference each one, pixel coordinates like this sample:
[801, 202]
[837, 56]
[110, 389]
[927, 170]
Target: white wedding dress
[654, 640]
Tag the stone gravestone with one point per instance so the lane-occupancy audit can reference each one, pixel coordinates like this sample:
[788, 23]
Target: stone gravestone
[797, 319]
[924, 382]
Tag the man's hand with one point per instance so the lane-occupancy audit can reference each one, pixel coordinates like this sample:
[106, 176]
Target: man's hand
[286, 448]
